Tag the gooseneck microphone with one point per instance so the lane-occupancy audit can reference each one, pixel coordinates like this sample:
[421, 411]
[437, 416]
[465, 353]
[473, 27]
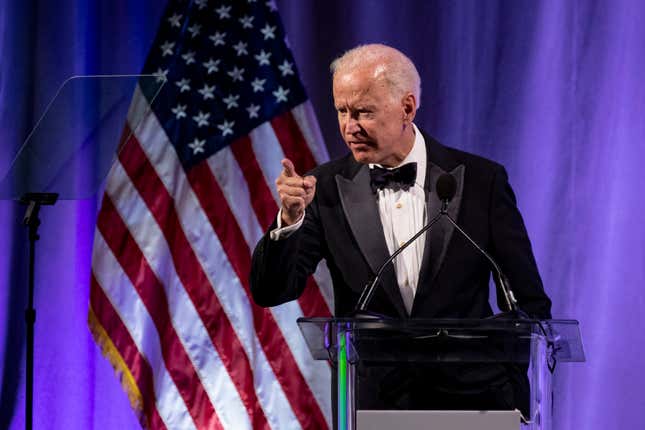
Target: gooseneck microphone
[446, 187]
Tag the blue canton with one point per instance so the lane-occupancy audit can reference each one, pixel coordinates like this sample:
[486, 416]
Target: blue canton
[227, 68]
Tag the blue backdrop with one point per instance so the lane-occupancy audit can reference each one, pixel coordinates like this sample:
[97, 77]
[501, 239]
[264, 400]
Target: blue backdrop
[552, 89]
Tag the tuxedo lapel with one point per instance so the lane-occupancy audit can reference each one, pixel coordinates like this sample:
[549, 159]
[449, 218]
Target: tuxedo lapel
[439, 235]
[361, 210]
[438, 238]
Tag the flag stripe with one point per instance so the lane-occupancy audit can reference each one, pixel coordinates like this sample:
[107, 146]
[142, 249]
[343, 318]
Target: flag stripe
[192, 276]
[262, 203]
[306, 118]
[120, 337]
[271, 338]
[268, 152]
[229, 177]
[191, 331]
[293, 143]
[151, 292]
[323, 279]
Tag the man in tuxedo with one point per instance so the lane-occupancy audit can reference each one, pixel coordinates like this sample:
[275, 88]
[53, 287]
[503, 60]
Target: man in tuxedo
[356, 211]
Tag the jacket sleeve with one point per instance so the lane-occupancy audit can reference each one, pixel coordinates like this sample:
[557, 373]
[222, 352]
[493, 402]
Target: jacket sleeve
[512, 250]
[280, 268]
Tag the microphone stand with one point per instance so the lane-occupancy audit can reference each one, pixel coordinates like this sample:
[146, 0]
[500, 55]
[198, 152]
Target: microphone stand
[33, 201]
[514, 311]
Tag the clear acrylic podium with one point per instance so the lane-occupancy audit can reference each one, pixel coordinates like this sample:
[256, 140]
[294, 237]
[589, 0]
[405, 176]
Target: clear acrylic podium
[538, 344]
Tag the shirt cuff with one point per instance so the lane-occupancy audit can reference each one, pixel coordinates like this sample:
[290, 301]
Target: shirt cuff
[284, 232]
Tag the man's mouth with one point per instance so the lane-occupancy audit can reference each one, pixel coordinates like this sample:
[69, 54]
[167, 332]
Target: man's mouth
[360, 143]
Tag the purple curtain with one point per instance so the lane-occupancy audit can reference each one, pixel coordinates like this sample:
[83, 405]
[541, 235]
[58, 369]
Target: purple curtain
[552, 89]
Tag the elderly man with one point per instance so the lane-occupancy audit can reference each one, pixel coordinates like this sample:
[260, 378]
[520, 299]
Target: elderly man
[348, 213]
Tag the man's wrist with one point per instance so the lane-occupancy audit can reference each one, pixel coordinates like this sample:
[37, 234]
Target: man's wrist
[287, 220]
[283, 231]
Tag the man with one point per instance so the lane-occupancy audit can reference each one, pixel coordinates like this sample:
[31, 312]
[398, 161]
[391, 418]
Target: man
[348, 213]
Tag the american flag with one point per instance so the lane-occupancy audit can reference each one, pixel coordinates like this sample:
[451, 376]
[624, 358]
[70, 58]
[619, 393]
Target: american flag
[188, 197]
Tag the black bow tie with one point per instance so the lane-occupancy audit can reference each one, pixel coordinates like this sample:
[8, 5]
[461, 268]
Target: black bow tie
[401, 178]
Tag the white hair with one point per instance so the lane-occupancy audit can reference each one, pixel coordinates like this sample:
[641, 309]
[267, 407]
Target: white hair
[389, 63]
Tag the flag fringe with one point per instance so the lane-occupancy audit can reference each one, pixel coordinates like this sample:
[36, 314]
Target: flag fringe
[122, 371]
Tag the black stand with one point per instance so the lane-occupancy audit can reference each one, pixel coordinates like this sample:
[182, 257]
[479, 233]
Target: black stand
[33, 201]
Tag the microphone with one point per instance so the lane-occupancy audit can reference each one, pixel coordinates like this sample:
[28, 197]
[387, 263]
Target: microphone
[446, 187]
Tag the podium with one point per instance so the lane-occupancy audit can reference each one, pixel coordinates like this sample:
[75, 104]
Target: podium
[536, 344]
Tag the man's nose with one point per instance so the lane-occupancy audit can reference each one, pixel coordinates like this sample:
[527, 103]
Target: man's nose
[352, 126]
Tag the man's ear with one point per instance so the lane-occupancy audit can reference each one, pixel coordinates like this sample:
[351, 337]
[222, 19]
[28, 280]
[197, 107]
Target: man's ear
[409, 105]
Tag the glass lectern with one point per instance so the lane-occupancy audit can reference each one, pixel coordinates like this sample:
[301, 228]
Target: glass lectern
[534, 343]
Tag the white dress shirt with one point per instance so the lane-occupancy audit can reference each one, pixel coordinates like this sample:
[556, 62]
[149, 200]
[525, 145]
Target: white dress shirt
[402, 213]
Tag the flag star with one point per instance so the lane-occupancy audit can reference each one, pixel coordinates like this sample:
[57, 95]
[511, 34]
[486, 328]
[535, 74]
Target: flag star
[212, 65]
[253, 111]
[194, 30]
[271, 5]
[189, 57]
[263, 58]
[281, 94]
[223, 11]
[258, 84]
[236, 74]
[240, 47]
[201, 3]
[161, 75]
[286, 68]
[207, 92]
[175, 20]
[179, 111]
[268, 32]
[197, 145]
[247, 21]
[231, 101]
[201, 118]
[166, 48]
[218, 38]
[226, 127]
[183, 85]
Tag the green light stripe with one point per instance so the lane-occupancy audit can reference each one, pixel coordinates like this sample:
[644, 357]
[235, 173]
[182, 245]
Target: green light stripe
[342, 383]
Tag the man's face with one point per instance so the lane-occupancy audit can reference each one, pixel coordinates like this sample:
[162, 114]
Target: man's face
[371, 120]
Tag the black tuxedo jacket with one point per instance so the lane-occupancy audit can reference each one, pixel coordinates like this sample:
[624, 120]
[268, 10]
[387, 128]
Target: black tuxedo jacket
[342, 226]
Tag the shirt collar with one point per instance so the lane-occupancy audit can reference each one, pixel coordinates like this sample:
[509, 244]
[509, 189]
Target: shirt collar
[417, 154]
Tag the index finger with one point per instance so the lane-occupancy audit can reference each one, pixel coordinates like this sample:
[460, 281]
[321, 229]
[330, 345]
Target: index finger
[289, 169]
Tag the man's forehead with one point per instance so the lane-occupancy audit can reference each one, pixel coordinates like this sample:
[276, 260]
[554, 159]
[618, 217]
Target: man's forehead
[352, 96]
[356, 84]
[364, 74]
